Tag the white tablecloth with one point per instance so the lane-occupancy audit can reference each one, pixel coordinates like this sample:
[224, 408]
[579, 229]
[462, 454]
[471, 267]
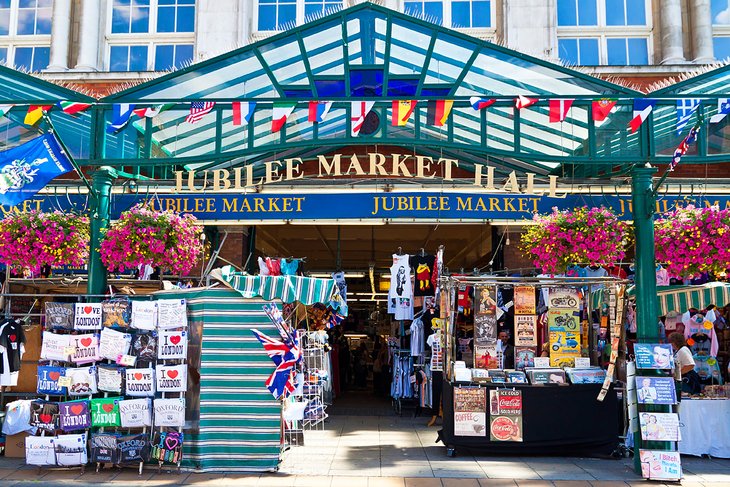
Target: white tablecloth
[705, 427]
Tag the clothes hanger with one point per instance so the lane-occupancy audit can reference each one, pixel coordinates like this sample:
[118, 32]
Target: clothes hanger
[423, 252]
[400, 251]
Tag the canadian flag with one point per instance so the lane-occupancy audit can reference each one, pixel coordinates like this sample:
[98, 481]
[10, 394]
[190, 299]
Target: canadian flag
[559, 109]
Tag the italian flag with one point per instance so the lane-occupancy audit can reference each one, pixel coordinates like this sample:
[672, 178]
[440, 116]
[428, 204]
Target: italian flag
[72, 107]
[280, 114]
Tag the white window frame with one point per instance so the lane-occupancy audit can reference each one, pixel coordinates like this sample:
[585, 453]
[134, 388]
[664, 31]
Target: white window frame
[604, 32]
[13, 40]
[719, 30]
[151, 39]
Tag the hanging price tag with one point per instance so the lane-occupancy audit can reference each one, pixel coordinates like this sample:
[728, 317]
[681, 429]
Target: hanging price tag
[542, 361]
[65, 381]
[582, 362]
[127, 360]
[69, 350]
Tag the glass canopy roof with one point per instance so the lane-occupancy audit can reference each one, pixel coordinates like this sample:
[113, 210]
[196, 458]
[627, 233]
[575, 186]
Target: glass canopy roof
[368, 52]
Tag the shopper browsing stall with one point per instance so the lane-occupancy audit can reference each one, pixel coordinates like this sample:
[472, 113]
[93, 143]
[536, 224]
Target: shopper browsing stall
[684, 364]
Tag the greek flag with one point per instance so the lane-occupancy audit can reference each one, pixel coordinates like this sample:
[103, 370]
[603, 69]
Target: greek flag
[27, 168]
[685, 108]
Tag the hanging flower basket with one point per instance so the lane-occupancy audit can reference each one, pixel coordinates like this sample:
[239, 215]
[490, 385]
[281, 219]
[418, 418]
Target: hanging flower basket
[34, 239]
[692, 240]
[593, 236]
[143, 236]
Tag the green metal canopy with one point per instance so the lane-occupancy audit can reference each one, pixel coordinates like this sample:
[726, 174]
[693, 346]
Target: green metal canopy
[21, 89]
[368, 52]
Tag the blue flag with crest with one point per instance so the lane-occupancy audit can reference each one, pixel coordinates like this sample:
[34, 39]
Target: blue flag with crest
[27, 168]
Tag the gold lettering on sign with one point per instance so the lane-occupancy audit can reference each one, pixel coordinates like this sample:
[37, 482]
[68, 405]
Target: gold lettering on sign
[377, 164]
[423, 164]
[330, 169]
[355, 166]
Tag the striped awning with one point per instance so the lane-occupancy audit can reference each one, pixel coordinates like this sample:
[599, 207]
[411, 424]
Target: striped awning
[288, 289]
[682, 298]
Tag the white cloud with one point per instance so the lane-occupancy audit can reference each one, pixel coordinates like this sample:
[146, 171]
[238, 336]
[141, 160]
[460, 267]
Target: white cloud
[723, 18]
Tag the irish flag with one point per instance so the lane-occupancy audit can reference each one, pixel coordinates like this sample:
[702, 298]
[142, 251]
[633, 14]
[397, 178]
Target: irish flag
[402, 111]
[280, 114]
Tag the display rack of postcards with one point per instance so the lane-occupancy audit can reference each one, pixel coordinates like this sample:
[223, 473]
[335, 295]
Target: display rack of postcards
[315, 370]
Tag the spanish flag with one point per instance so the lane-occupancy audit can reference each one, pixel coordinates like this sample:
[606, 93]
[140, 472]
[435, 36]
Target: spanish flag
[438, 111]
[35, 113]
[402, 111]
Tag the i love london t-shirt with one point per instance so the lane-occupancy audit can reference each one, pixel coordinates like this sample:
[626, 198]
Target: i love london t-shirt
[105, 412]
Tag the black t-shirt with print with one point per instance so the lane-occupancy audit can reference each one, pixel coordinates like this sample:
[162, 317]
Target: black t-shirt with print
[422, 266]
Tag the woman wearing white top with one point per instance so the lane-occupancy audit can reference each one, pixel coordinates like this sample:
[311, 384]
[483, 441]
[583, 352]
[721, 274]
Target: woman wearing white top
[685, 364]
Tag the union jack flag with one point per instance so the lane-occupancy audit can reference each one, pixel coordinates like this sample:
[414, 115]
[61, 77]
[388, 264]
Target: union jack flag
[285, 355]
[198, 109]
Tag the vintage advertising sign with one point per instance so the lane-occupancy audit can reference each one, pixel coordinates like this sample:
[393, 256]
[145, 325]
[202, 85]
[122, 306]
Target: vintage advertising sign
[524, 298]
[659, 426]
[654, 356]
[567, 319]
[660, 465]
[87, 316]
[525, 330]
[563, 298]
[486, 356]
[505, 415]
[470, 411]
[655, 390]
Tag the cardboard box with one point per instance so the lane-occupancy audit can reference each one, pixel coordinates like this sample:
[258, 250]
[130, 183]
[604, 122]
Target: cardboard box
[15, 445]
[27, 378]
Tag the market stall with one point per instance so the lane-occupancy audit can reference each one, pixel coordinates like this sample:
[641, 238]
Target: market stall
[547, 390]
[704, 427]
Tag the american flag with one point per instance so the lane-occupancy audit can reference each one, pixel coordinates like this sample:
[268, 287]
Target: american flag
[198, 109]
[285, 355]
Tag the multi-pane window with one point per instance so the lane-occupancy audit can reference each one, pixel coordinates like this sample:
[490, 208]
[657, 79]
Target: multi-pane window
[146, 35]
[273, 15]
[613, 32]
[433, 10]
[721, 28]
[25, 33]
[317, 8]
[457, 14]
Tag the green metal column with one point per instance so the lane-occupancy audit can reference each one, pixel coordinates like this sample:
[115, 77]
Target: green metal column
[101, 182]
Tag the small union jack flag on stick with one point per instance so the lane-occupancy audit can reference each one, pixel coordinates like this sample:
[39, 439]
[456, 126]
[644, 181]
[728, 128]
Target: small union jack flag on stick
[285, 355]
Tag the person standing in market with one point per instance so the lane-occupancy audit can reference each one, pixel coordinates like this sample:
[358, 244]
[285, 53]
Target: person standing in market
[684, 364]
[508, 351]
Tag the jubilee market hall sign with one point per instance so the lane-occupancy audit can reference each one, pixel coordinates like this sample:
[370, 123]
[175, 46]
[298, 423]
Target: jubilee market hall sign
[223, 195]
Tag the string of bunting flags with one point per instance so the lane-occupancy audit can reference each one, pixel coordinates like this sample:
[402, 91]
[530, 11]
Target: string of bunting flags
[438, 111]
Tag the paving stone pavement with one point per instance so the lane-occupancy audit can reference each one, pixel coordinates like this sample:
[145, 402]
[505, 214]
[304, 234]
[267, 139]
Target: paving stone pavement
[382, 451]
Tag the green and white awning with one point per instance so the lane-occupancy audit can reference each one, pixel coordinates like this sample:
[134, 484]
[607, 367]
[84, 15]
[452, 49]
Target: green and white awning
[682, 298]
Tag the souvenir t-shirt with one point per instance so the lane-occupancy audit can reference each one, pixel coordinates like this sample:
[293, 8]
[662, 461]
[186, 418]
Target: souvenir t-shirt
[401, 291]
[423, 267]
[74, 415]
[144, 315]
[105, 411]
[12, 346]
[44, 415]
[86, 348]
[87, 316]
[133, 448]
[104, 448]
[116, 312]
[135, 413]
[171, 313]
[110, 378]
[170, 412]
[48, 380]
[54, 346]
[140, 382]
[83, 381]
[172, 345]
[113, 343]
[172, 378]
[167, 446]
[60, 316]
[437, 354]
[144, 346]
[39, 450]
[70, 449]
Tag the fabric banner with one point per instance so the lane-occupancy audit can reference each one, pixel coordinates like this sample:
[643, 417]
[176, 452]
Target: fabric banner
[86, 348]
[39, 450]
[167, 446]
[133, 448]
[110, 378]
[105, 412]
[144, 346]
[44, 415]
[83, 381]
[104, 448]
[48, 380]
[116, 313]
[54, 346]
[70, 450]
[113, 343]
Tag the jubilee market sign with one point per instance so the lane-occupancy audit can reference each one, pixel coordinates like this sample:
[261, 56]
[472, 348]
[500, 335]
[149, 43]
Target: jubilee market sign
[228, 195]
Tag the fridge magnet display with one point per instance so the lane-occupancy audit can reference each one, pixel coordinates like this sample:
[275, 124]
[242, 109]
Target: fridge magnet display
[565, 298]
[105, 412]
[44, 415]
[169, 412]
[74, 415]
[167, 446]
[524, 297]
[133, 448]
[564, 320]
[172, 313]
[110, 378]
[87, 316]
[172, 345]
[485, 356]
[172, 378]
[655, 390]
[144, 346]
[659, 426]
[116, 313]
[140, 382]
[660, 465]
[135, 413]
[70, 450]
[104, 448]
[470, 411]
[60, 316]
[55, 347]
[525, 331]
[654, 356]
[86, 348]
[524, 357]
[113, 343]
[144, 315]
[48, 380]
[82, 381]
[39, 451]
